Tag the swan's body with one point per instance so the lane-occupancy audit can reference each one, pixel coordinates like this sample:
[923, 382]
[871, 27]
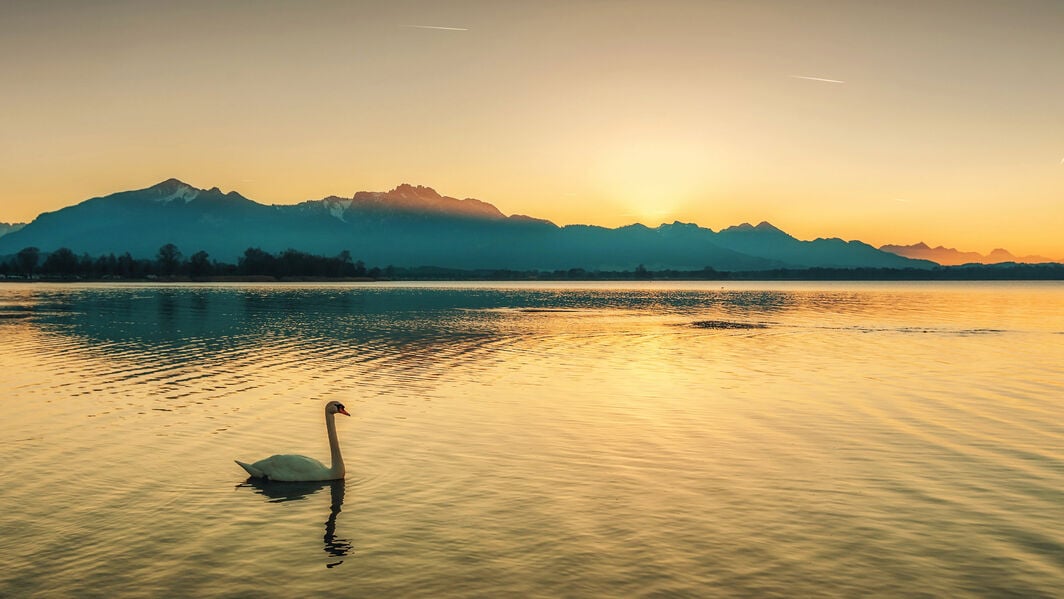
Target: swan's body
[297, 468]
[289, 468]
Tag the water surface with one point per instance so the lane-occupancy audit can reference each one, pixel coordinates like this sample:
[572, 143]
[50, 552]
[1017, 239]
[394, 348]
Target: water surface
[784, 439]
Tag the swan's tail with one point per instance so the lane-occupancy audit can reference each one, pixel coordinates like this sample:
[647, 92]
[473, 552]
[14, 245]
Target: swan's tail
[253, 471]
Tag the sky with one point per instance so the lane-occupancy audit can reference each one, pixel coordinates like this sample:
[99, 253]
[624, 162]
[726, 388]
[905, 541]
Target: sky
[888, 122]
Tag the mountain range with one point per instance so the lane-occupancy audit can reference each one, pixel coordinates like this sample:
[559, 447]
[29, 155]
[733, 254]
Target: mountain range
[6, 228]
[954, 257]
[416, 226]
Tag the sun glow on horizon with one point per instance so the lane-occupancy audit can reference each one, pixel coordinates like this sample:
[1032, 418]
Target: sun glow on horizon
[652, 180]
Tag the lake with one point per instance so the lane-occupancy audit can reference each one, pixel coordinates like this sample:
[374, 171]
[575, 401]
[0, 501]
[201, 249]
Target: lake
[542, 439]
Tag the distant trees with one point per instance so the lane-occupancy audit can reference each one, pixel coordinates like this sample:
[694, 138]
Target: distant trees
[199, 265]
[169, 259]
[128, 268]
[106, 264]
[294, 263]
[62, 262]
[256, 262]
[169, 262]
[26, 260]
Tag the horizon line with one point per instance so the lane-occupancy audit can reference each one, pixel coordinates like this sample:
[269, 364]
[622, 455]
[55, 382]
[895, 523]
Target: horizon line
[675, 219]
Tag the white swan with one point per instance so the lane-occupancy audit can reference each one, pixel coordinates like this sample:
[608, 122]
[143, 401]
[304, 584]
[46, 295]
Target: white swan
[297, 468]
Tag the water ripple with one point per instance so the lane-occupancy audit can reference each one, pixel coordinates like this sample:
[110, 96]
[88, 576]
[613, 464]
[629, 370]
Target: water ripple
[535, 440]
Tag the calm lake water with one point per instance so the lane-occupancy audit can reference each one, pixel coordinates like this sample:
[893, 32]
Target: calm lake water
[556, 440]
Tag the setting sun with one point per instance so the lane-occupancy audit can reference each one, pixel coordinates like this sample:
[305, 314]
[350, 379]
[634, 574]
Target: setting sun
[655, 180]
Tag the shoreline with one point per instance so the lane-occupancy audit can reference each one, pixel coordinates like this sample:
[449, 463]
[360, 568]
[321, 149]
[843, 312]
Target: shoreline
[735, 277]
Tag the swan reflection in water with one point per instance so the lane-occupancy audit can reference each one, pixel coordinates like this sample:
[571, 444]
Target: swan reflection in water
[280, 492]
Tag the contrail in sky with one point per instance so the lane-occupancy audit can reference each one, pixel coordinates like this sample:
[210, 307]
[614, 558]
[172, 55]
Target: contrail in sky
[816, 79]
[435, 27]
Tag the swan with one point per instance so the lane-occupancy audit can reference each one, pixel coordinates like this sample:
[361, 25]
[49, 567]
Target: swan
[297, 468]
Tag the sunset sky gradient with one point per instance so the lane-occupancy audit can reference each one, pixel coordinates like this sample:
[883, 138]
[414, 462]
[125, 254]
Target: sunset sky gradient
[889, 122]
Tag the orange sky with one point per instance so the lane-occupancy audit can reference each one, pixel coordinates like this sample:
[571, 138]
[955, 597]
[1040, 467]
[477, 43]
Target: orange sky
[942, 121]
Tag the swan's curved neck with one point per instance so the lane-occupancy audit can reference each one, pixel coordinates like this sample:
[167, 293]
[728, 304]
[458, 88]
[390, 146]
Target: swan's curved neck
[337, 469]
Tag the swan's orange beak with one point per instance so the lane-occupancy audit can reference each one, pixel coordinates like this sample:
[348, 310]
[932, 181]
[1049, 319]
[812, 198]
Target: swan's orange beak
[342, 411]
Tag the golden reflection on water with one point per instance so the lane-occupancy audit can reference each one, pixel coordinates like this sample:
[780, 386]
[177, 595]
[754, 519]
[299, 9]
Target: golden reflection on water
[804, 439]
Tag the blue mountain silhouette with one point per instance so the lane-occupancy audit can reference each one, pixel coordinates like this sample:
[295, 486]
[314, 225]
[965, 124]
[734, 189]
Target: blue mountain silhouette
[416, 226]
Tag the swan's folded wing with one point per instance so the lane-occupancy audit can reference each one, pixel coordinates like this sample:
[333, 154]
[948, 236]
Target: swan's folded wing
[291, 468]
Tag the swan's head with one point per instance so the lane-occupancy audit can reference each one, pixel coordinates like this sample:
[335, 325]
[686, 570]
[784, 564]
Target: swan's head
[335, 407]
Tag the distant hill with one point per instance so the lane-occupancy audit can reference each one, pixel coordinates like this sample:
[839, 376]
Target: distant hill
[6, 228]
[953, 257]
[767, 241]
[415, 226]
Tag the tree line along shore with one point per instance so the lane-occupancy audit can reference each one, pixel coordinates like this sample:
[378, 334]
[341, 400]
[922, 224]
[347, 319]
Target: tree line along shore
[170, 264]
